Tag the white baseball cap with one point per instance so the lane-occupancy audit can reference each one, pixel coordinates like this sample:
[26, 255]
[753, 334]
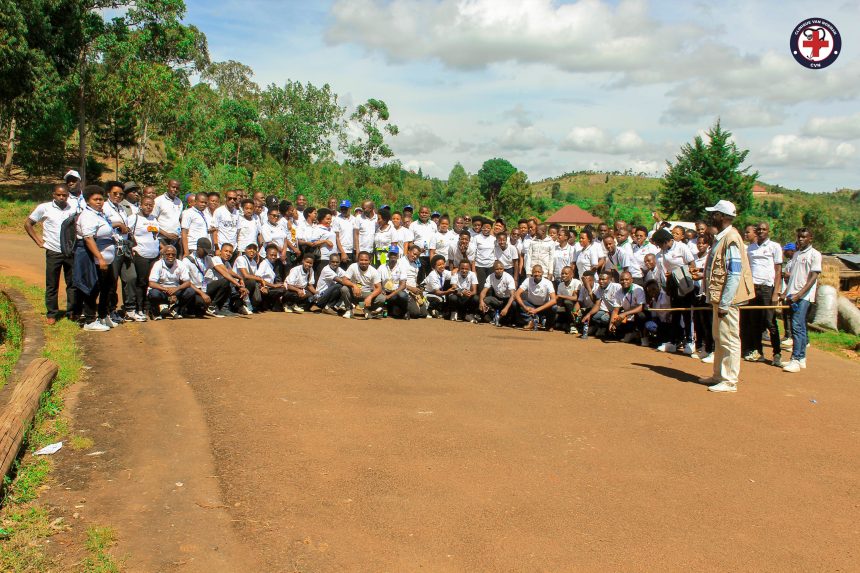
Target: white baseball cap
[724, 207]
[72, 173]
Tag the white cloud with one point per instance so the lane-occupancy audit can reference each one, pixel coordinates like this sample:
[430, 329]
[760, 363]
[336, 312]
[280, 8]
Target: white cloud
[417, 139]
[812, 152]
[597, 140]
[424, 165]
[523, 138]
[846, 127]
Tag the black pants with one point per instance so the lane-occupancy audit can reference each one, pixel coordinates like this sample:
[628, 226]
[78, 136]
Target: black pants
[351, 300]
[142, 266]
[704, 320]
[482, 273]
[97, 302]
[496, 304]
[757, 321]
[463, 304]
[219, 291]
[292, 297]
[187, 301]
[54, 263]
[125, 274]
[564, 313]
[332, 295]
[682, 324]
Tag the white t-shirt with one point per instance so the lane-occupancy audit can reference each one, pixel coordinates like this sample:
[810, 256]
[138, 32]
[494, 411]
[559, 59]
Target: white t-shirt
[326, 279]
[145, 235]
[247, 232]
[344, 228]
[587, 259]
[168, 211]
[502, 287]
[571, 290]
[804, 262]
[464, 282]
[608, 296]
[383, 238]
[424, 233]
[540, 252]
[485, 250]
[631, 298]
[274, 234]
[366, 230]
[266, 271]
[507, 256]
[326, 234]
[299, 277]
[386, 275]
[367, 279]
[677, 256]
[93, 224]
[243, 262]
[537, 293]
[455, 256]
[401, 237]
[405, 271]
[435, 281]
[562, 257]
[763, 257]
[226, 223]
[197, 224]
[166, 276]
[52, 218]
[444, 241]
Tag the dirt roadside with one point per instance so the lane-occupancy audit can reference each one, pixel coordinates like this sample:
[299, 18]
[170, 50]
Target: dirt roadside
[327, 445]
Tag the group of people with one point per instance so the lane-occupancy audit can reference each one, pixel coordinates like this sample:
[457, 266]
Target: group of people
[675, 289]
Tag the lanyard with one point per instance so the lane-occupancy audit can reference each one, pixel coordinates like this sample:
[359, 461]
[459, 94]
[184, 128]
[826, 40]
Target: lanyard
[102, 215]
[202, 216]
[197, 264]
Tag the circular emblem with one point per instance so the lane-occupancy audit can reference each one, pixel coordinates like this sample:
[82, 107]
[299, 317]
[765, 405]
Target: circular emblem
[815, 43]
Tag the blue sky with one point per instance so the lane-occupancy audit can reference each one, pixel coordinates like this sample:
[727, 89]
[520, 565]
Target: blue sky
[563, 86]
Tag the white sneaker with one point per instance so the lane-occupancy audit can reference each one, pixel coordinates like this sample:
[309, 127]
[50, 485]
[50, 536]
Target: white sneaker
[140, 316]
[689, 349]
[211, 312]
[667, 347]
[708, 359]
[723, 387]
[802, 363]
[96, 326]
[162, 308]
[288, 309]
[453, 317]
[347, 314]
[107, 321]
[786, 342]
[792, 366]
[297, 309]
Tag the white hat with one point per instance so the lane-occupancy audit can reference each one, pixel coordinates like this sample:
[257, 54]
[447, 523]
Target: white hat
[72, 173]
[724, 207]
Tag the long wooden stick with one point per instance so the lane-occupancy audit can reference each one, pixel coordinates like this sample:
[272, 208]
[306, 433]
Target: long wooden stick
[710, 308]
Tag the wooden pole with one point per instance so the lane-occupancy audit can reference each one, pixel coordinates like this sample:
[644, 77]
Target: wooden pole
[711, 308]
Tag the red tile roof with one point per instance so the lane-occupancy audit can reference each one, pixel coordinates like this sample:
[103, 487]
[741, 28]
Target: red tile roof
[573, 215]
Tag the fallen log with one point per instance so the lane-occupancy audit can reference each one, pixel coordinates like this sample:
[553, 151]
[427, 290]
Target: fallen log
[18, 414]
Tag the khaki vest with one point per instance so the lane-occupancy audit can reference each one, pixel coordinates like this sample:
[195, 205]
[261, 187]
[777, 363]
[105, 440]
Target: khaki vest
[718, 272]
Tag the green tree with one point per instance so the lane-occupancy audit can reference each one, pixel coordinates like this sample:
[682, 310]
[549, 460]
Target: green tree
[492, 175]
[300, 121]
[704, 173]
[514, 195]
[372, 118]
[231, 79]
[823, 230]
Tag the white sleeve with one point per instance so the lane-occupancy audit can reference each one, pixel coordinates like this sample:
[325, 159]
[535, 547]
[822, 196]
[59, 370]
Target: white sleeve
[38, 213]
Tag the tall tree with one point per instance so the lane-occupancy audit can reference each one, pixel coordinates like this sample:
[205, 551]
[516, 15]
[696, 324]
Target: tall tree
[372, 118]
[706, 172]
[514, 195]
[231, 79]
[492, 175]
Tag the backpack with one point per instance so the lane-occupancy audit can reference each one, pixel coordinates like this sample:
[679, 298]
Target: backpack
[681, 283]
[69, 235]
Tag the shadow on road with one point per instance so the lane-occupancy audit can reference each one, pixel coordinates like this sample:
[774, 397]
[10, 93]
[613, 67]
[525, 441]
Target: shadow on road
[673, 373]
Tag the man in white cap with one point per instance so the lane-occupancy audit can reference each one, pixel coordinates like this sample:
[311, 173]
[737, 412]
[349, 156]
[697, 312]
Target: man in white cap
[76, 197]
[728, 283]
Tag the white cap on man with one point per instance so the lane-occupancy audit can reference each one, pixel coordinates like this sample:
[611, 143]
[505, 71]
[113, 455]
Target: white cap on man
[724, 207]
[72, 174]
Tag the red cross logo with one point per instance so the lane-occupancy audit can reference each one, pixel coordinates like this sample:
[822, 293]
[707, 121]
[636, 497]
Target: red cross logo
[816, 41]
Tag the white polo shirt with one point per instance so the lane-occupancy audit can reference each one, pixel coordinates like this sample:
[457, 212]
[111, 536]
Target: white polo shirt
[367, 279]
[274, 234]
[507, 256]
[584, 297]
[443, 242]
[201, 272]
[167, 211]
[366, 230]
[166, 276]
[502, 287]
[52, 218]
[637, 268]
[587, 259]
[300, 278]
[677, 256]
[571, 289]
[226, 223]
[620, 261]
[424, 233]
[326, 279]
[435, 281]
[344, 228]
[562, 257]
[243, 262]
[405, 271]
[464, 282]
[97, 225]
[266, 271]
[197, 224]
[804, 262]
[608, 296]
[246, 232]
[537, 293]
[630, 298]
[763, 257]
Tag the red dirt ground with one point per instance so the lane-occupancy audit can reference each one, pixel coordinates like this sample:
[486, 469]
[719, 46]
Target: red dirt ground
[309, 443]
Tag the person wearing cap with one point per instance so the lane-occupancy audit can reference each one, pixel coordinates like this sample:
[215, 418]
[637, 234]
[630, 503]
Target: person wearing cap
[52, 215]
[728, 283]
[435, 216]
[364, 287]
[209, 282]
[196, 223]
[76, 196]
[386, 272]
[131, 198]
[167, 211]
[343, 225]
[765, 258]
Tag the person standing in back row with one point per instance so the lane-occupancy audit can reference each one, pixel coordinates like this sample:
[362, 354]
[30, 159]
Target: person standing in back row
[52, 215]
[800, 292]
[728, 283]
[766, 262]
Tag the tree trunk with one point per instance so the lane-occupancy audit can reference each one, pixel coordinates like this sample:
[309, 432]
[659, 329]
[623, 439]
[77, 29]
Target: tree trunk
[82, 126]
[10, 149]
[143, 140]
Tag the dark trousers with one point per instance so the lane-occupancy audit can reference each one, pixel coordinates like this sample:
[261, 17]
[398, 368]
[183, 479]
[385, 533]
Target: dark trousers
[424, 270]
[564, 313]
[682, 323]
[463, 304]
[549, 314]
[142, 266]
[54, 263]
[125, 274]
[292, 297]
[332, 295]
[219, 291]
[482, 273]
[402, 303]
[704, 321]
[496, 304]
[757, 321]
[97, 302]
[185, 301]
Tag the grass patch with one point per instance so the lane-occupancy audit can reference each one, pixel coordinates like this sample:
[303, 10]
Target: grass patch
[17, 202]
[11, 338]
[23, 523]
[835, 342]
[81, 443]
[99, 540]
